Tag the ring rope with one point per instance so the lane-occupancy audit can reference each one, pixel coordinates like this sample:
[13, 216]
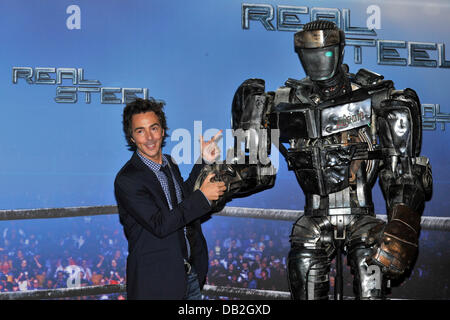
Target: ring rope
[63, 292]
[208, 290]
[427, 222]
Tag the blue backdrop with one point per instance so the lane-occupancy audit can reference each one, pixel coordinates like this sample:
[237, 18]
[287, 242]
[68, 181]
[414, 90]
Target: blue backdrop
[193, 55]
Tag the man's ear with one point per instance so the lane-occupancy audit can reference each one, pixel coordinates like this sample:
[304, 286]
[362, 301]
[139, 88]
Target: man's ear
[132, 140]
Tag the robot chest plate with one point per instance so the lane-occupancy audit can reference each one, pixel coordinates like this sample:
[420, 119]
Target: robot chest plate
[344, 117]
[298, 120]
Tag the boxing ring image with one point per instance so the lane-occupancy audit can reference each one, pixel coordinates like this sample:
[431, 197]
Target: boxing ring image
[427, 223]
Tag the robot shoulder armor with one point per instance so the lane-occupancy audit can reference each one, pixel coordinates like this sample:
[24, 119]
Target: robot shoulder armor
[250, 99]
[250, 87]
[407, 95]
[299, 90]
[282, 95]
[366, 77]
[304, 83]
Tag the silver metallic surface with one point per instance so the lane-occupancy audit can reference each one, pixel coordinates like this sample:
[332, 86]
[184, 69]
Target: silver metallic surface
[307, 232]
[313, 131]
[66, 73]
[282, 95]
[313, 248]
[394, 161]
[422, 161]
[370, 278]
[339, 211]
[292, 143]
[340, 199]
[344, 219]
[427, 176]
[400, 128]
[308, 270]
[365, 137]
[373, 128]
[316, 201]
[361, 184]
[344, 117]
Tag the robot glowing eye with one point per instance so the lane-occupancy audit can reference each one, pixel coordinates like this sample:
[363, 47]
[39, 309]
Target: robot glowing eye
[329, 54]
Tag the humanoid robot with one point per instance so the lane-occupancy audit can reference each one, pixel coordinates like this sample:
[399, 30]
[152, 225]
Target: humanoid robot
[344, 130]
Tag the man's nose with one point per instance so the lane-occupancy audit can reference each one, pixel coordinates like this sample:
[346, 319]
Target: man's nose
[150, 135]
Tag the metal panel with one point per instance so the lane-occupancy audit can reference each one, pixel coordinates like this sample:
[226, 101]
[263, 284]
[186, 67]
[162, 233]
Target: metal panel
[346, 116]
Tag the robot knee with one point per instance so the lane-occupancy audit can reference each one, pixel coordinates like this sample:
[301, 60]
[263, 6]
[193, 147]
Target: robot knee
[308, 273]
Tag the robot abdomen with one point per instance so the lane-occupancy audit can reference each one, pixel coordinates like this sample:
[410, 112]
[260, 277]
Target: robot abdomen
[322, 170]
[330, 180]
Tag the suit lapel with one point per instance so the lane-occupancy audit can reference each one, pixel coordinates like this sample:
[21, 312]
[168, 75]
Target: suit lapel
[150, 179]
[176, 175]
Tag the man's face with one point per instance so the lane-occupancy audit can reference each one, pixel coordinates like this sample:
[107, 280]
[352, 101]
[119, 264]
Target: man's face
[148, 135]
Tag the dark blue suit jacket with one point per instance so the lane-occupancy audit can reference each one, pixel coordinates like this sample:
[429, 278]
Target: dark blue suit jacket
[155, 268]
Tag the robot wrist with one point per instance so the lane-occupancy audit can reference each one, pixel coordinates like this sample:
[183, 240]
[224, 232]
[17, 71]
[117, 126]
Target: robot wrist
[404, 215]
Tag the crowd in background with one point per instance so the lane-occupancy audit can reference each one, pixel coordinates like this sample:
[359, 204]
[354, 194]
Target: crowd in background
[244, 253]
[70, 253]
[247, 253]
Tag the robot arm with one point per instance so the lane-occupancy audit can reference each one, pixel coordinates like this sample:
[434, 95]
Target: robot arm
[245, 171]
[405, 180]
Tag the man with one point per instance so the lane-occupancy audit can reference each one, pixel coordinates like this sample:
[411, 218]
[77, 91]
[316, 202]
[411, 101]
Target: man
[167, 253]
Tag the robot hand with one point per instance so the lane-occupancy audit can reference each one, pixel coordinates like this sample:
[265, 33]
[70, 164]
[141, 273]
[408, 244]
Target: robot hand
[225, 173]
[240, 180]
[397, 242]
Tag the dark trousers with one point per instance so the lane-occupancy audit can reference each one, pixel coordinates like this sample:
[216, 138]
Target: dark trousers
[193, 287]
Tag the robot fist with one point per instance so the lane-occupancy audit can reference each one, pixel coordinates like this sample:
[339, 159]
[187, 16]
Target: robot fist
[397, 242]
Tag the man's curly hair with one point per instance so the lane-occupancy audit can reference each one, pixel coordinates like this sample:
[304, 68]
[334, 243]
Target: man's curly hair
[141, 106]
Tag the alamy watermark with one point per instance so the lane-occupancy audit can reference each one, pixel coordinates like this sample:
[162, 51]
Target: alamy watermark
[251, 146]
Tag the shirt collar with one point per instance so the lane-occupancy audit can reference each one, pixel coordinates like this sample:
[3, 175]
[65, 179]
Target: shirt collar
[155, 167]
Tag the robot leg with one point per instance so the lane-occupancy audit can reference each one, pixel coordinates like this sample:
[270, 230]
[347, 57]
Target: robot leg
[368, 281]
[309, 259]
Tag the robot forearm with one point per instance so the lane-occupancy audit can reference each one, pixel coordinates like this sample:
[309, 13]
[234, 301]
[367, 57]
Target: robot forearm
[240, 179]
[405, 180]
[405, 195]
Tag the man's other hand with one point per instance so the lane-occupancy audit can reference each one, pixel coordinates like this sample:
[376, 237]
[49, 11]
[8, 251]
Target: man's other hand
[211, 189]
[209, 150]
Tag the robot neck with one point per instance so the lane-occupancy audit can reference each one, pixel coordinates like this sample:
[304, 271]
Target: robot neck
[338, 85]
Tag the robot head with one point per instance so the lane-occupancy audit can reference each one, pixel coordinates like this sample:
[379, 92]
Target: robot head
[320, 47]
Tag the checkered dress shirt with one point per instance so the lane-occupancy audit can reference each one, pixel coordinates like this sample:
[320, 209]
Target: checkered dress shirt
[156, 168]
